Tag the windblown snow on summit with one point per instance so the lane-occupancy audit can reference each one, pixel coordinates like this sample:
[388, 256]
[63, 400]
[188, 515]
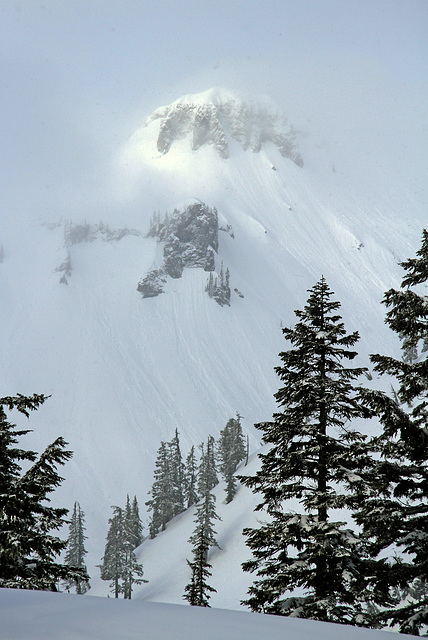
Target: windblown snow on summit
[217, 117]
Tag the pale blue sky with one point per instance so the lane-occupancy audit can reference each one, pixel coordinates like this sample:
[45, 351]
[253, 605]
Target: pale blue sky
[78, 76]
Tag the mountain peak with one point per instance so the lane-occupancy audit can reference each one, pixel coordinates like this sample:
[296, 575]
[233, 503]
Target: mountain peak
[218, 116]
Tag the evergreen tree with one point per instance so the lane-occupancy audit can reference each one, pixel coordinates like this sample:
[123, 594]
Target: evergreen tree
[207, 473]
[177, 475]
[137, 526]
[113, 560]
[132, 571]
[76, 552]
[315, 458]
[197, 592]
[28, 545]
[162, 501]
[219, 288]
[394, 515]
[168, 487]
[231, 451]
[119, 563]
[190, 479]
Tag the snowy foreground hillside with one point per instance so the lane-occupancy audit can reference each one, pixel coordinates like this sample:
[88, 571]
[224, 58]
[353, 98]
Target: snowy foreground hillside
[110, 315]
[48, 616]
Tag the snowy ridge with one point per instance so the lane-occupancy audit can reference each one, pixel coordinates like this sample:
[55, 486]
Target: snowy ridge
[216, 115]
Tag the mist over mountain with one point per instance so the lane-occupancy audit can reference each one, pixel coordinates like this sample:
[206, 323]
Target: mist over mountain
[113, 317]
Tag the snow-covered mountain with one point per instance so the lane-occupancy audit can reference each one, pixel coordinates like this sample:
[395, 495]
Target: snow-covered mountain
[111, 316]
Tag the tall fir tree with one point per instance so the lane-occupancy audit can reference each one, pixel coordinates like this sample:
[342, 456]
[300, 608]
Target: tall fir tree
[394, 515]
[113, 560]
[137, 525]
[190, 479]
[132, 571]
[198, 591]
[231, 451]
[29, 547]
[207, 472]
[76, 552]
[161, 503]
[119, 564]
[177, 475]
[315, 458]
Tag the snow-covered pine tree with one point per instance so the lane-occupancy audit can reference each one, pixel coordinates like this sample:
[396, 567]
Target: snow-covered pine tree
[395, 513]
[76, 552]
[28, 546]
[227, 286]
[209, 288]
[162, 501]
[190, 479]
[113, 561]
[219, 288]
[231, 451]
[315, 458]
[132, 571]
[136, 524]
[177, 475]
[207, 472]
[197, 592]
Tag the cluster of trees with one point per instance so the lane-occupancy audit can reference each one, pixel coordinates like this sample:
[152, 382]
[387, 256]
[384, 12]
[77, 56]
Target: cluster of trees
[219, 287]
[179, 485]
[119, 564]
[355, 569]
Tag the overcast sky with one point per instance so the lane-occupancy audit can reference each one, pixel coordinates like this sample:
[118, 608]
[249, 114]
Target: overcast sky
[78, 77]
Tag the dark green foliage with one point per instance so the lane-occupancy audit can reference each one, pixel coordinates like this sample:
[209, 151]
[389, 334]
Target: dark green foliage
[136, 525]
[395, 514]
[315, 458]
[219, 287]
[197, 592]
[76, 552]
[207, 473]
[119, 564]
[167, 490]
[112, 562]
[161, 502]
[231, 451]
[28, 546]
[190, 479]
[177, 475]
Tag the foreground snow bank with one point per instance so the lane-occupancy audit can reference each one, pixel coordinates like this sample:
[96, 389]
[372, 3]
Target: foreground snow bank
[27, 615]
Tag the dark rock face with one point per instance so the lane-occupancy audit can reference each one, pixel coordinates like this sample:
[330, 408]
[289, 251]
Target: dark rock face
[152, 284]
[190, 240]
[190, 237]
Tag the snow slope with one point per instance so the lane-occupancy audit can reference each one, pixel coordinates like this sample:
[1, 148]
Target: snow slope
[48, 616]
[123, 372]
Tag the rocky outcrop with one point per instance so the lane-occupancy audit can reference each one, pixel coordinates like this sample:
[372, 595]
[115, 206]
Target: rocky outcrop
[210, 121]
[152, 284]
[190, 240]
